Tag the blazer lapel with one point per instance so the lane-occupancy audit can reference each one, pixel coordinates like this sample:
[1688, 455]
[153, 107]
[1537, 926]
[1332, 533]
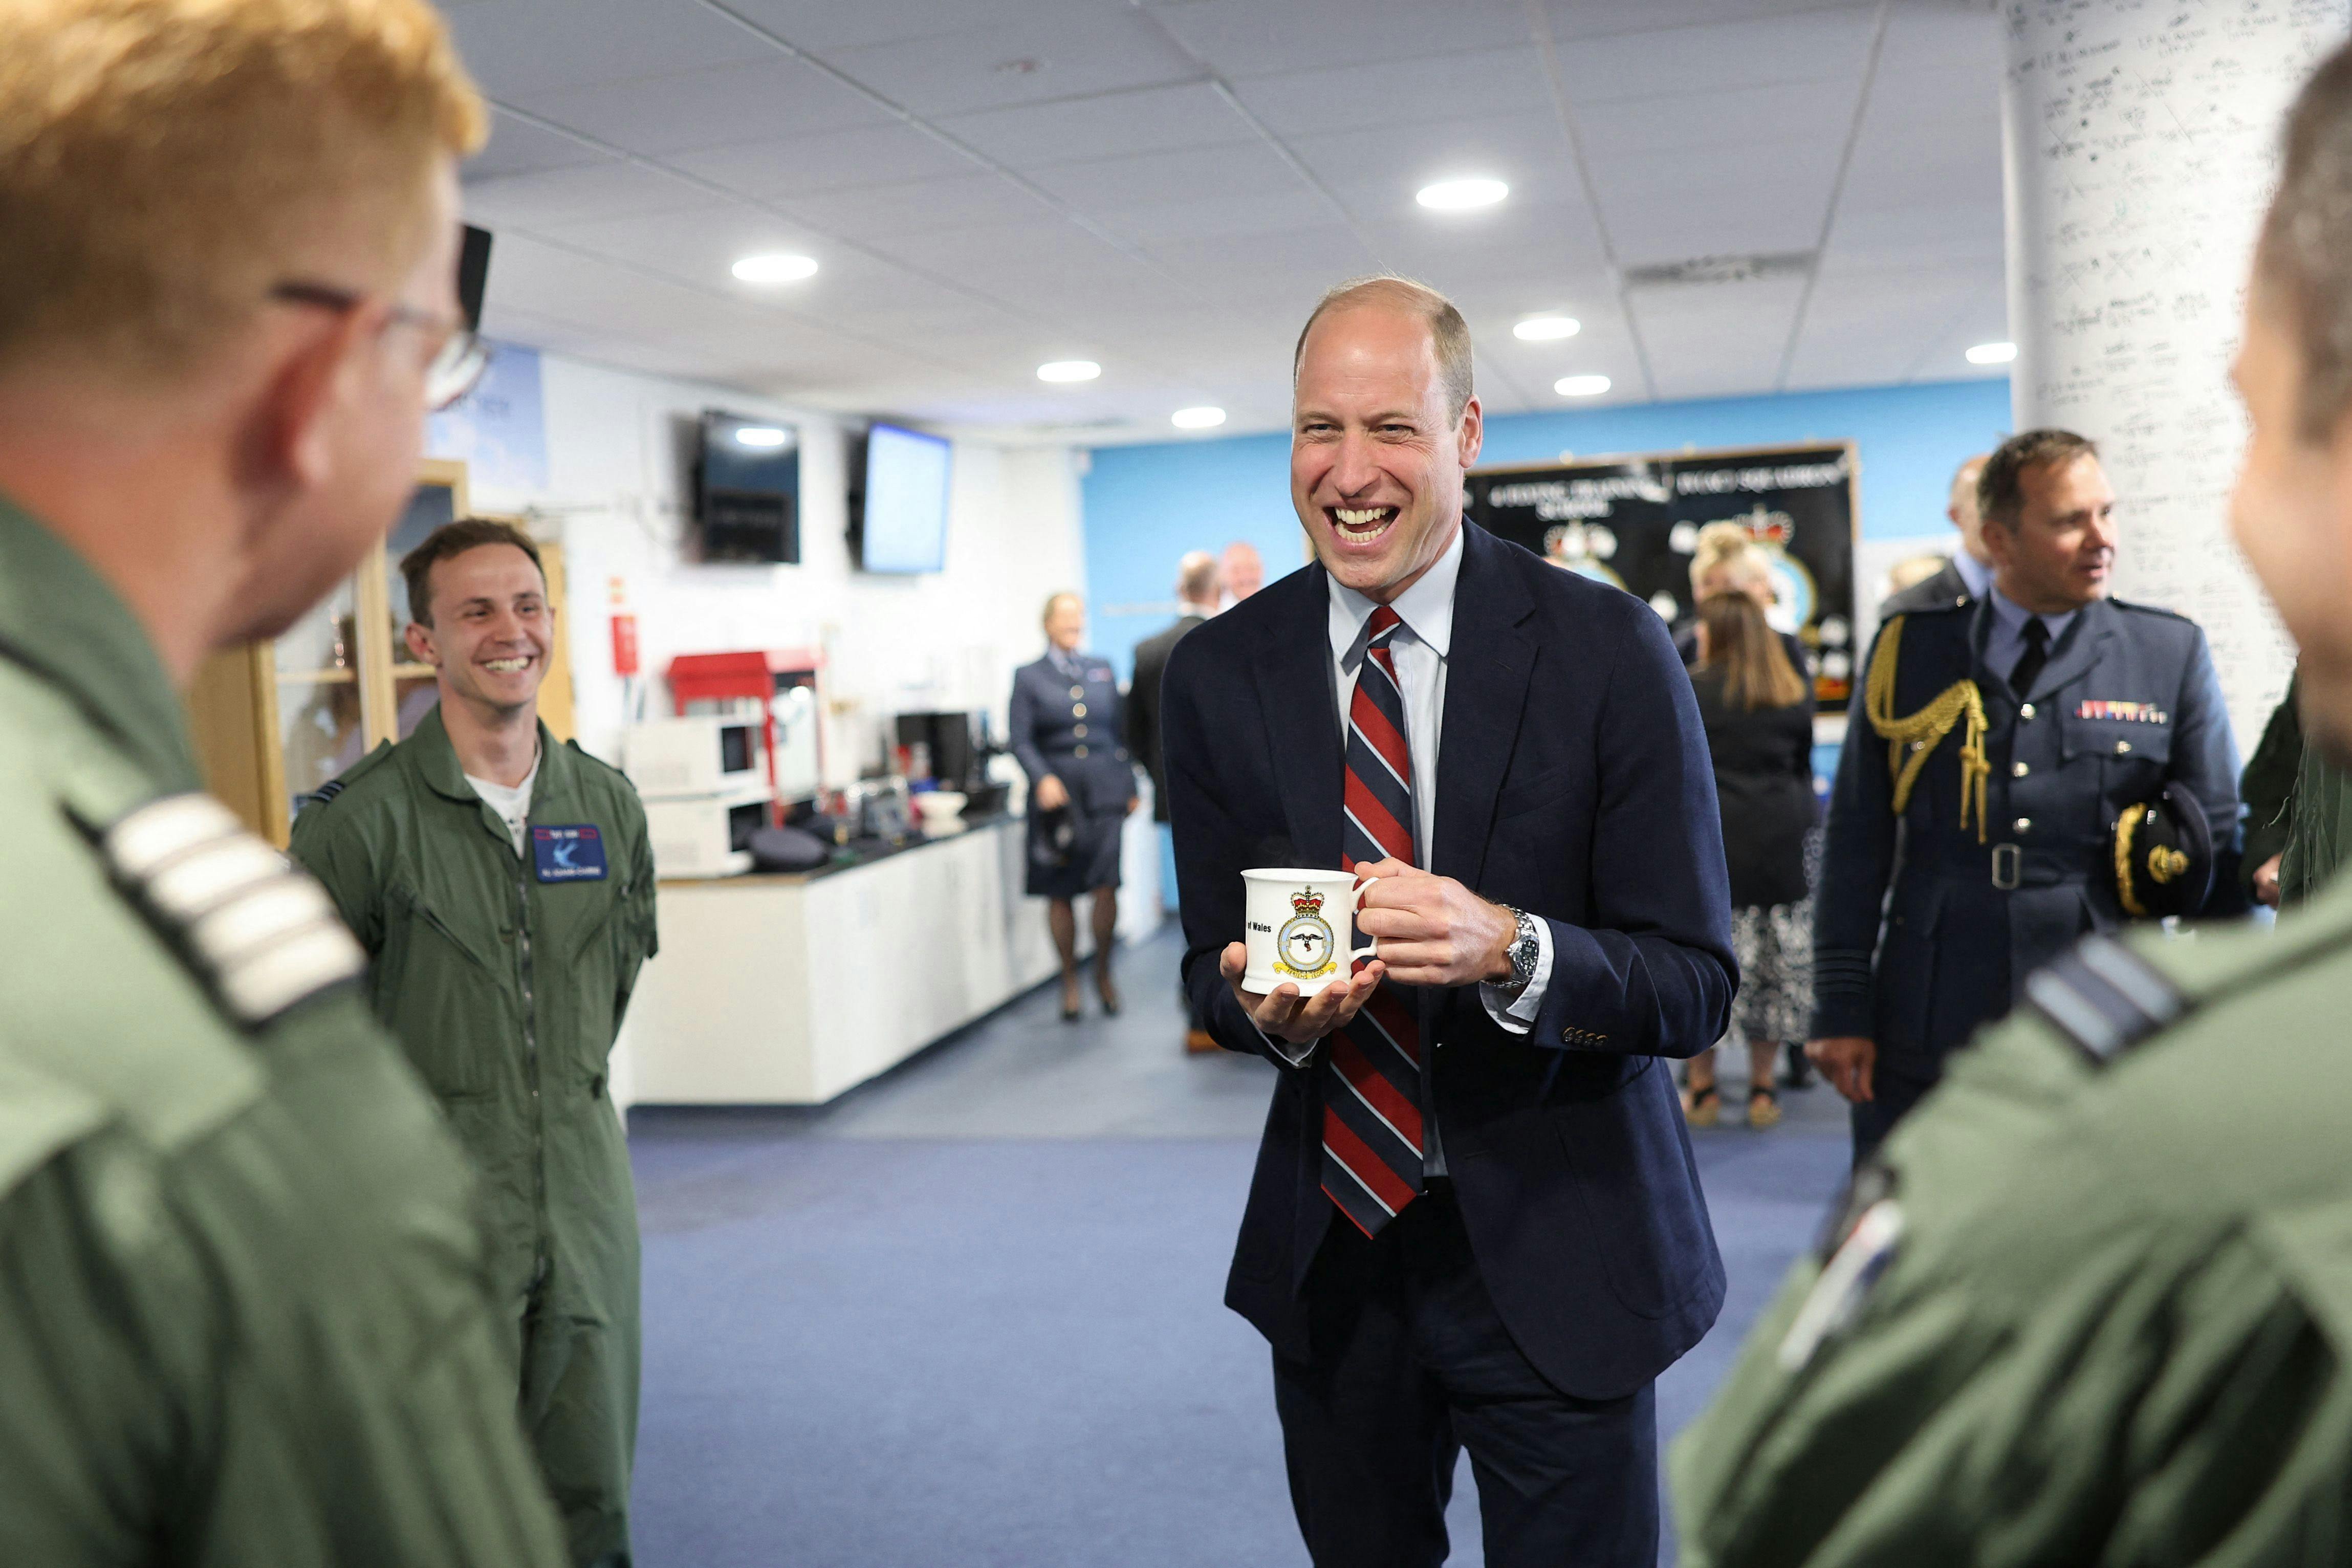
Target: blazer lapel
[1488, 668]
[1302, 717]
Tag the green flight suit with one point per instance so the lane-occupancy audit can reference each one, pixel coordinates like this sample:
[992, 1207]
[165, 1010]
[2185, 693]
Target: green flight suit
[2299, 806]
[243, 1307]
[2096, 1306]
[505, 977]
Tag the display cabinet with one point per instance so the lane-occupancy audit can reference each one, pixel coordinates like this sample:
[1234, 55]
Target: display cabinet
[275, 721]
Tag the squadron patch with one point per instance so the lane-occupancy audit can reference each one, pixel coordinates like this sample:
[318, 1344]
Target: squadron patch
[263, 935]
[2125, 712]
[1844, 1283]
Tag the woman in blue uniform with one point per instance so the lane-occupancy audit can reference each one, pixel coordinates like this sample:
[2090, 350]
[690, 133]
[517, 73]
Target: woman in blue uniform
[1065, 728]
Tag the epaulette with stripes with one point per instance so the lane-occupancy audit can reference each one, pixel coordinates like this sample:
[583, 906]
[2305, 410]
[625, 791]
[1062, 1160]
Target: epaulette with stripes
[2104, 998]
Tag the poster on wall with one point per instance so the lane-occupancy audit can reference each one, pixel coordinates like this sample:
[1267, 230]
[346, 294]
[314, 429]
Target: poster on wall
[499, 430]
[1633, 521]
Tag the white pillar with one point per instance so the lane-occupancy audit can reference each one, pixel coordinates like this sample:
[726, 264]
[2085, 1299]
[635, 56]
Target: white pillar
[2140, 139]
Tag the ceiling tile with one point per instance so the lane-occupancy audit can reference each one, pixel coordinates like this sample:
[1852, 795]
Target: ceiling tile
[1078, 53]
[758, 99]
[1106, 125]
[1379, 95]
[606, 189]
[518, 147]
[832, 159]
[1827, 46]
[1245, 38]
[530, 45]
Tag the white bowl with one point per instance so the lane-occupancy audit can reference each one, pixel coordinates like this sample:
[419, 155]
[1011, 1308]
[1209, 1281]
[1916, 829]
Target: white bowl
[939, 806]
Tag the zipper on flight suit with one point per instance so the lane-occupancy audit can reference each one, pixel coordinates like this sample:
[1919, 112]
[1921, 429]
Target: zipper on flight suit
[530, 1056]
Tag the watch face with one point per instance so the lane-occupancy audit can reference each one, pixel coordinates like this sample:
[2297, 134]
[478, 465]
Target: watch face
[1304, 946]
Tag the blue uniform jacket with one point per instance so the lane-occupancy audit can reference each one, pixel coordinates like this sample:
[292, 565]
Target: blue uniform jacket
[1913, 943]
[1075, 730]
[1573, 783]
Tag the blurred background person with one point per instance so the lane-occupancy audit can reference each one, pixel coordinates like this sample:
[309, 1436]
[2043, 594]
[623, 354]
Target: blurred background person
[1759, 713]
[1243, 571]
[1197, 584]
[1967, 574]
[1066, 733]
[1728, 560]
[2298, 811]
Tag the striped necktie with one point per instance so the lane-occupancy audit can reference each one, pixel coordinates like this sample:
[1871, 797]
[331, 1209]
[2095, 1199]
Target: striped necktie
[1372, 1074]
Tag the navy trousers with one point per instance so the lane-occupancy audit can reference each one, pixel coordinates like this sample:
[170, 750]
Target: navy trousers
[1410, 1366]
[1893, 1096]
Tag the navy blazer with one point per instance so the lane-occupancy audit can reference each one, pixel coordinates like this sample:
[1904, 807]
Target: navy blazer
[1572, 782]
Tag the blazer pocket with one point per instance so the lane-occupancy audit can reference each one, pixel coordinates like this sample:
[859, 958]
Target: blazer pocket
[1547, 790]
[1640, 1190]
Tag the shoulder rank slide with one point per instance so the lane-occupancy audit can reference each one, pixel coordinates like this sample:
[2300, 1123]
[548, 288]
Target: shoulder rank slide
[2104, 998]
[263, 935]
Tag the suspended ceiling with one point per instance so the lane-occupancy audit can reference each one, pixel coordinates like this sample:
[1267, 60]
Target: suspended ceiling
[1165, 188]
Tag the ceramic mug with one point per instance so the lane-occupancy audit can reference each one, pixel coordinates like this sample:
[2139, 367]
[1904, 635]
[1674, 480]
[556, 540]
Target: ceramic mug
[1297, 924]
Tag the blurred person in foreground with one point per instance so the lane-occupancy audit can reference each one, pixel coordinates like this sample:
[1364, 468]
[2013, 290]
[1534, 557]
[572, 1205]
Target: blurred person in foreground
[503, 887]
[1197, 585]
[1066, 731]
[1968, 572]
[244, 1318]
[1759, 713]
[2089, 1304]
[1475, 1222]
[2001, 757]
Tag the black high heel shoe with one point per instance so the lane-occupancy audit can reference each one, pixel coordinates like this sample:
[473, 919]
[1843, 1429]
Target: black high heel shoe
[1070, 999]
[1109, 994]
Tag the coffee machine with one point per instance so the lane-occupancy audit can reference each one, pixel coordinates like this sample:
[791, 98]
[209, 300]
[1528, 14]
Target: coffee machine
[958, 746]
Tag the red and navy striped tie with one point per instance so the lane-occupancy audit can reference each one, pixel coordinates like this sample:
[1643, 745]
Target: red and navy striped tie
[1371, 1078]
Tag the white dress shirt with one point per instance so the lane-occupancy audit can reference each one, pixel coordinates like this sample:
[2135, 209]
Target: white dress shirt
[1420, 648]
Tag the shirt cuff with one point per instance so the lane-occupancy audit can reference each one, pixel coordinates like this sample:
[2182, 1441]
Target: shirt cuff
[1295, 1055]
[1517, 1014]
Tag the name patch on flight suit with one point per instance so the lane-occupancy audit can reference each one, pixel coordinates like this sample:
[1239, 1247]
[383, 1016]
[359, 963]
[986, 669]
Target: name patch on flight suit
[569, 853]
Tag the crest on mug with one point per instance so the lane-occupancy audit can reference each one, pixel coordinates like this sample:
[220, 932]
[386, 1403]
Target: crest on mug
[1305, 948]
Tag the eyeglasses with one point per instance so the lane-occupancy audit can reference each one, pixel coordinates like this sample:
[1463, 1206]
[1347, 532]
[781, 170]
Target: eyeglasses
[457, 365]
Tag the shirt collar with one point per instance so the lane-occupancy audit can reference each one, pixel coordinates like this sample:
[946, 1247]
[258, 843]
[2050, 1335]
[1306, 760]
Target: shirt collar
[1426, 608]
[1973, 572]
[2011, 616]
[60, 617]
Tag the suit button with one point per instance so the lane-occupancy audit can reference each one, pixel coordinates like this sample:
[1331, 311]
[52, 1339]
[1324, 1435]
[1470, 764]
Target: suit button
[2025, 825]
[1077, 709]
[2019, 771]
[2122, 747]
[1082, 751]
[1076, 692]
[2026, 712]
[1078, 729]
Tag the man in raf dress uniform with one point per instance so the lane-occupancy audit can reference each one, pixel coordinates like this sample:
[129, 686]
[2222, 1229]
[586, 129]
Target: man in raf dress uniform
[2091, 1304]
[1993, 748]
[243, 1319]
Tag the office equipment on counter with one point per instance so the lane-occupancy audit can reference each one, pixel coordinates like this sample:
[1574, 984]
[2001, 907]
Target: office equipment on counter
[785, 685]
[706, 836]
[788, 850]
[942, 811]
[700, 754]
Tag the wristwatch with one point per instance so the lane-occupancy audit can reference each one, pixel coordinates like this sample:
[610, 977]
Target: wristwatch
[1524, 950]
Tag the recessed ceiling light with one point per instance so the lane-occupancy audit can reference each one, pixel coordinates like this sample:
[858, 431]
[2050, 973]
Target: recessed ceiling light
[776, 266]
[1580, 385]
[1197, 418]
[1547, 328]
[760, 436]
[1992, 353]
[1454, 195]
[1069, 370]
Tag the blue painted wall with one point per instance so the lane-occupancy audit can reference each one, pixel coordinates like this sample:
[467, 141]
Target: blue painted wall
[1145, 506]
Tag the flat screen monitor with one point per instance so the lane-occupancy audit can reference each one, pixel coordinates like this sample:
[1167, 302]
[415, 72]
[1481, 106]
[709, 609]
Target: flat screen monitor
[747, 491]
[904, 520]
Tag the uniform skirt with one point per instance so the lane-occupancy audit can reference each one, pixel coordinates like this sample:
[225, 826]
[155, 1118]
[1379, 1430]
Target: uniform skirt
[1774, 945]
[1072, 851]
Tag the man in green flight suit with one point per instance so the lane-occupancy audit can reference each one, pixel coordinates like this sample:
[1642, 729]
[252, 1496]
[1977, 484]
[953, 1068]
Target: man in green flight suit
[243, 1316]
[503, 887]
[2093, 1302]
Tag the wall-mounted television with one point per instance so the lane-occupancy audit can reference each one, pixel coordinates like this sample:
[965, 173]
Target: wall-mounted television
[899, 511]
[747, 488]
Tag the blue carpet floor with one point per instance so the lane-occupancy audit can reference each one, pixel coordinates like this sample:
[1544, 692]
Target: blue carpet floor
[971, 1315]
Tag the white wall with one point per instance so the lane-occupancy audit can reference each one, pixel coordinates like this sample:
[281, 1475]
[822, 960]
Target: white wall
[618, 496]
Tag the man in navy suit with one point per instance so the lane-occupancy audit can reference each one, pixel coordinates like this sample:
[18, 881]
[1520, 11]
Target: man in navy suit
[1475, 1221]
